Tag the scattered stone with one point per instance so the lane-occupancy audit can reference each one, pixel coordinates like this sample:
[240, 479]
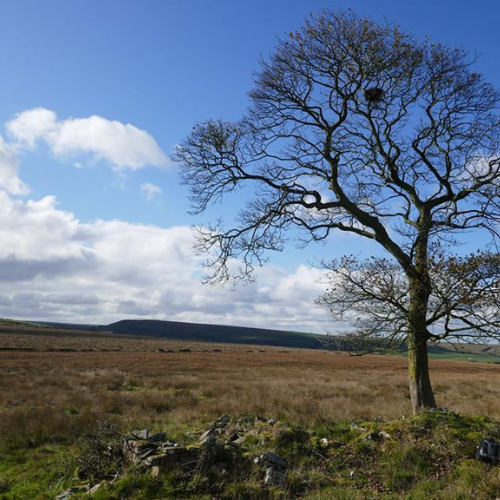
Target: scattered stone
[384, 435]
[207, 438]
[274, 478]
[216, 430]
[234, 437]
[372, 436]
[178, 456]
[155, 453]
[69, 493]
[488, 450]
[138, 450]
[140, 434]
[221, 421]
[156, 438]
[271, 459]
[354, 426]
[323, 442]
[240, 440]
[168, 444]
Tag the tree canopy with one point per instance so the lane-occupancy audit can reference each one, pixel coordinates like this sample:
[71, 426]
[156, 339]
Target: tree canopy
[373, 296]
[359, 127]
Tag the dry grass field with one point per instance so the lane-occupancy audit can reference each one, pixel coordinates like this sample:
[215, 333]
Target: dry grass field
[159, 382]
[56, 386]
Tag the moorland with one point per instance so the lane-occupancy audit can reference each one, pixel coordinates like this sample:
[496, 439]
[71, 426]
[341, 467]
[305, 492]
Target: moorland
[57, 387]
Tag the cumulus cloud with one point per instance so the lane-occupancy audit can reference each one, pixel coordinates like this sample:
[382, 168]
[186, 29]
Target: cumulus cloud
[149, 191]
[9, 168]
[122, 145]
[30, 126]
[54, 267]
[36, 229]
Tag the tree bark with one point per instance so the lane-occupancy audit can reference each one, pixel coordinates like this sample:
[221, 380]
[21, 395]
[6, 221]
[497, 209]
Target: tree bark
[422, 395]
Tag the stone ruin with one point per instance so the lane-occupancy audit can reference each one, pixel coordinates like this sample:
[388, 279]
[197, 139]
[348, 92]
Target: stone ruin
[156, 453]
[145, 451]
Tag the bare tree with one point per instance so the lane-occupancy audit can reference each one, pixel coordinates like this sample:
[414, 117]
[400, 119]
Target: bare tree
[362, 128]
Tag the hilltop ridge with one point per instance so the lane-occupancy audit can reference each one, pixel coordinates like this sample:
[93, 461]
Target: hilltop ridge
[213, 333]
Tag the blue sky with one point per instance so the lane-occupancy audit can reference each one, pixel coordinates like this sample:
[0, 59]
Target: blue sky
[158, 67]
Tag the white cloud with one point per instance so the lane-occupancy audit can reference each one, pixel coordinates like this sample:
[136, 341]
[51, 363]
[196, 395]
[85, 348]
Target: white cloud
[54, 267]
[37, 230]
[9, 167]
[149, 190]
[30, 126]
[122, 145]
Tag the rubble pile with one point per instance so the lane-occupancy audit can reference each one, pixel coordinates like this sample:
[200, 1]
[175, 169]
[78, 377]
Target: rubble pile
[213, 452]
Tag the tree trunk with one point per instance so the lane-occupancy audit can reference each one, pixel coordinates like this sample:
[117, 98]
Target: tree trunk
[422, 395]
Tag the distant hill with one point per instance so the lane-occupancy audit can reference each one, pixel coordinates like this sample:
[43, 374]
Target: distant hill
[175, 330]
[55, 324]
[212, 333]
